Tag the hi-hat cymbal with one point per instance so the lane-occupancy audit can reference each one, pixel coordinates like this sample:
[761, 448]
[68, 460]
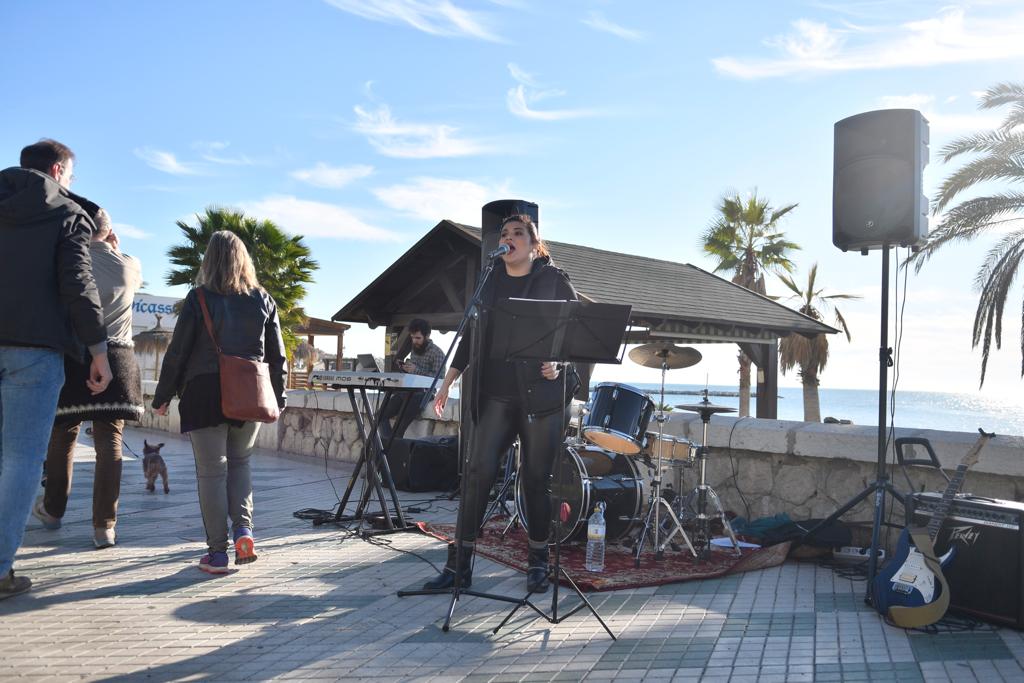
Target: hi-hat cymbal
[705, 407]
[657, 353]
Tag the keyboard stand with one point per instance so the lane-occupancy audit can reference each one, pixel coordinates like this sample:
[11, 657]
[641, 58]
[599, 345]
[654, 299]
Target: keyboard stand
[378, 474]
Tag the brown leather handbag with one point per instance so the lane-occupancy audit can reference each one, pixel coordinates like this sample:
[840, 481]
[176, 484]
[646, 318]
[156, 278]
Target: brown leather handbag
[246, 392]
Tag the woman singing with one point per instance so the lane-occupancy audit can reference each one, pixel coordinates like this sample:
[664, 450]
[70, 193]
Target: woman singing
[245, 319]
[516, 398]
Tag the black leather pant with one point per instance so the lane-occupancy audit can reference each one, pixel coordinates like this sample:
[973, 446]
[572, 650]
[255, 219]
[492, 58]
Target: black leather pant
[540, 440]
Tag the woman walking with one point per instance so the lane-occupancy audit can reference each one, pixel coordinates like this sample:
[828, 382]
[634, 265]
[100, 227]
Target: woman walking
[245, 322]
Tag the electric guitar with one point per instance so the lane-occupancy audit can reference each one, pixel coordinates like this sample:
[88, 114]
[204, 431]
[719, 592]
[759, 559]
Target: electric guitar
[908, 580]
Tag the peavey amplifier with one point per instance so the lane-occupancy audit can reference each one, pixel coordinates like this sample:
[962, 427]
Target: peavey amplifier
[986, 575]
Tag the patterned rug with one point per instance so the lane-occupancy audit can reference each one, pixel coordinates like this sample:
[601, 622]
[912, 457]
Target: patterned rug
[619, 568]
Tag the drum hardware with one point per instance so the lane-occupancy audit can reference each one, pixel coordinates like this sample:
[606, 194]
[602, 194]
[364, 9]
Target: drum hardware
[667, 355]
[697, 499]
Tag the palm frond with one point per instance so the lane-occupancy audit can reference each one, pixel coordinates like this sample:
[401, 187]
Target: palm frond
[1002, 93]
[994, 280]
[1014, 118]
[992, 167]
[840, 320]
[968, 219]
[1000, 142]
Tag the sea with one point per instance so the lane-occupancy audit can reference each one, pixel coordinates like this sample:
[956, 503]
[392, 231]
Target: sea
[913, 409]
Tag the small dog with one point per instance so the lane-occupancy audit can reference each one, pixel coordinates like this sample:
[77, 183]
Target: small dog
[153, 465]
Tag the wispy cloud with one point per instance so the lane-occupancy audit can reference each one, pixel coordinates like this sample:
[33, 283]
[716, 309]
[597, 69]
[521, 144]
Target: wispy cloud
[333, 177]
[529, 92]
[214, 153]
[435, 17]
[316, 219]
[598, 22]
[414, 140]
[128, 230]
[167, 162]
[433, 199]
[940, 121]
[951, 36]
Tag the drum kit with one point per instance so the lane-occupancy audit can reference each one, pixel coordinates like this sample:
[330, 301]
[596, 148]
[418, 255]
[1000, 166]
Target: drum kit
[603, 461]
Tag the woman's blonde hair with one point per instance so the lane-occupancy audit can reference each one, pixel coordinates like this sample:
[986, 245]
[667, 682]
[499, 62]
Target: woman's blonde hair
[227, 267]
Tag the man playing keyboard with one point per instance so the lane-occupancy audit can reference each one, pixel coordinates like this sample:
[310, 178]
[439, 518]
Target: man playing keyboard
[426, 359]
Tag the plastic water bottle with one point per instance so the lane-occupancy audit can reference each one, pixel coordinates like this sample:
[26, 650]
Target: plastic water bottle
[595, 540]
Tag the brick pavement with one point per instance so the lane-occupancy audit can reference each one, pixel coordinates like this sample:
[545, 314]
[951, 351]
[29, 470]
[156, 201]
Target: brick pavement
[320, 604]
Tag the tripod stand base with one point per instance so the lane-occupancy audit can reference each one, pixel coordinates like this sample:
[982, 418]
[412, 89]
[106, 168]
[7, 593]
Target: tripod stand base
[554, 617]
[697, 500]
[653, 528]
[456, 593]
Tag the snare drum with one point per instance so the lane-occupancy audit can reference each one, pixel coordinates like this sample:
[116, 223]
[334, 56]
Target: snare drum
[589, 476]
[671, 447]
[618, 417]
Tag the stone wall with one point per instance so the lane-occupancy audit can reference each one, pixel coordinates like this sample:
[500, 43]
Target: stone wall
[763, 467]
[758, 467]
[316, 422]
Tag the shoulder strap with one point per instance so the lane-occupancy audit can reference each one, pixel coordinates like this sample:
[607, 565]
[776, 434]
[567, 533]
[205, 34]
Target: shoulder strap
[915, 617]
[206, 317]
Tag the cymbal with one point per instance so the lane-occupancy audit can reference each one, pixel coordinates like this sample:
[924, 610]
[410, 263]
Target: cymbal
[705, 407]
[674, 357]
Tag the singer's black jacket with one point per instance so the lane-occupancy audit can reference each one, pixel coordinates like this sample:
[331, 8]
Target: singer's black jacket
[540, 396]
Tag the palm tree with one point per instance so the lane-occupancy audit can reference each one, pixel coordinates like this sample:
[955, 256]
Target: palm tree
[745, 239]
[810, 353]
[283, 264]
[1000, 157]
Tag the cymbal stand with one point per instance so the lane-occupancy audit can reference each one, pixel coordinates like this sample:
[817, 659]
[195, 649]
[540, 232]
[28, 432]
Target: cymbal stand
[698, 498]
[652, 524]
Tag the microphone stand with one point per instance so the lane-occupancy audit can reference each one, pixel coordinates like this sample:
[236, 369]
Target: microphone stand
[472, 316]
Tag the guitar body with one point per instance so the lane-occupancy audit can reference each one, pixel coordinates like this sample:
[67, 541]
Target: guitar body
[906, 581]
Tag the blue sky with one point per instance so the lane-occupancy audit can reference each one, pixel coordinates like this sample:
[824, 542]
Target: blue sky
[362, 123]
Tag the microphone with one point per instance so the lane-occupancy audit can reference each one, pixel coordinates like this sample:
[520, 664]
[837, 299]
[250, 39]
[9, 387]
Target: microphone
[499, 252]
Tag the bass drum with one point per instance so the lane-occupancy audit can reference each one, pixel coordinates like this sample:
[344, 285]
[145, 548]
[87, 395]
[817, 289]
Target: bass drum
[590, 476]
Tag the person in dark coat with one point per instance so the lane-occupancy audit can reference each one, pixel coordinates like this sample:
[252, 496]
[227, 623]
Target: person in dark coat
[510, 399]
[49, 307]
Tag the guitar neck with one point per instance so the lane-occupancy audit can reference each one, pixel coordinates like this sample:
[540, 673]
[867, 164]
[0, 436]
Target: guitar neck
[943, 506]
[942, 509]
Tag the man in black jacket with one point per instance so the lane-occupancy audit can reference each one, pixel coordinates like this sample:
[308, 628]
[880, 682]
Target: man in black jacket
[49, 306]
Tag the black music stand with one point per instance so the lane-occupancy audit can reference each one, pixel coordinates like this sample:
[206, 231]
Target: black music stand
[559, 331]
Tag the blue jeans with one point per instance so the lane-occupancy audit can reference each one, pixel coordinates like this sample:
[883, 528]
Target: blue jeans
[30, 382]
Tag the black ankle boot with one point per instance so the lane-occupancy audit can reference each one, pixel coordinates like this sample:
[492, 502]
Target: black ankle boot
[446, 579]
[537, 573]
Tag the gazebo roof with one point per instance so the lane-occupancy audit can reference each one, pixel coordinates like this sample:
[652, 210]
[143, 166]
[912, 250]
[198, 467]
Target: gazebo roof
[319, 326]
[672, 299]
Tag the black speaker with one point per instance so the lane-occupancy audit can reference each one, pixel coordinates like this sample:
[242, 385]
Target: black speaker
[427, 464]
[877, 195]
[986, 575]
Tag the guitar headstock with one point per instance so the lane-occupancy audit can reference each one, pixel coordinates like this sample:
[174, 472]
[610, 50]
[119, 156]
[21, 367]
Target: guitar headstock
[972, 456]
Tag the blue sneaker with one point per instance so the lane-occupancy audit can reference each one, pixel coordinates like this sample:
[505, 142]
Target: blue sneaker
[49, 521]
[214, 563]
[245, 546]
